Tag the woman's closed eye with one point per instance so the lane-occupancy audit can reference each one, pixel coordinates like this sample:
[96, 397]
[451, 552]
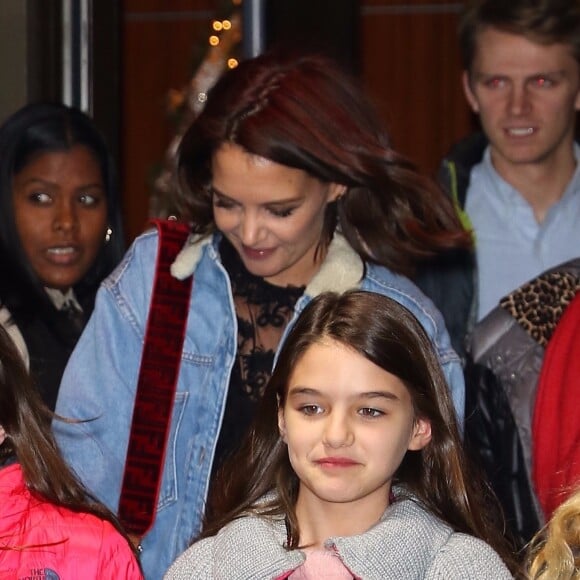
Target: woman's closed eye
[282, 212]
[279, 211]
[222, 202]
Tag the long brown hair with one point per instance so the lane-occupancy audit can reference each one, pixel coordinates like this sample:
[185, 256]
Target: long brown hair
[388, 335]
[29, 441]
[306, 113]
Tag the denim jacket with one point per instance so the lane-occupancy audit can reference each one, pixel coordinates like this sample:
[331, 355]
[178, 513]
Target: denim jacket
[99, 383]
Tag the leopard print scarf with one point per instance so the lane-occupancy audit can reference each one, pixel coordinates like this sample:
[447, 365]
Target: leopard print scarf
[538, 305]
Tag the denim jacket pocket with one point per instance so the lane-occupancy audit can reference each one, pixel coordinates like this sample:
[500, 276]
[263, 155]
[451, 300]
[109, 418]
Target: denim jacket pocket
[168, 491]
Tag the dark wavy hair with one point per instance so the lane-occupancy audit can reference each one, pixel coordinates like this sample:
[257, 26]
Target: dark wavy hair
[540, 21]
[307, 113]
[29, 441]
[388, 335]
[32, 131]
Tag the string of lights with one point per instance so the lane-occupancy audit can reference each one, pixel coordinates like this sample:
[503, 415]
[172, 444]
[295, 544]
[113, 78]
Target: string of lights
[184, 105]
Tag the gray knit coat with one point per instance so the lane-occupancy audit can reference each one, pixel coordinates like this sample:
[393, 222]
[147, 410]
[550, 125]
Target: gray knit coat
[407, 543]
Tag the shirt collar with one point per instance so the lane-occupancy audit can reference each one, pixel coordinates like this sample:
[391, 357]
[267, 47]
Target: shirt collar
[60, 299]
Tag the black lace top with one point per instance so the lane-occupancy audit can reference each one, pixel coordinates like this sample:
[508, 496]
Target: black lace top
[263, 312]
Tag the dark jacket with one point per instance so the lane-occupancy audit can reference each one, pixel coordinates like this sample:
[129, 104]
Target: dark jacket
[50, 335]
[451, 280]
[505, 356]
[50, 344]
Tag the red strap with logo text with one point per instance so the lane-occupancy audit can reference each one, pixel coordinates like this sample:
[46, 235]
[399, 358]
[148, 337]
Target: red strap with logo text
[158, 374]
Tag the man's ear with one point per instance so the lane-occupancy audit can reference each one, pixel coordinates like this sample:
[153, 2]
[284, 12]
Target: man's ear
[2, 435]
[469, 95]
[282, 423]
[421, 434]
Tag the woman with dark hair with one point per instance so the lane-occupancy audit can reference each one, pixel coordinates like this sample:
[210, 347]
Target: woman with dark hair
[60, 233]
[48, 521]
[354, 462]
[291, 189]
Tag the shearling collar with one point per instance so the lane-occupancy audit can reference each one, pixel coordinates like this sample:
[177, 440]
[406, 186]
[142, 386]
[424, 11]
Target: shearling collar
[341, 270]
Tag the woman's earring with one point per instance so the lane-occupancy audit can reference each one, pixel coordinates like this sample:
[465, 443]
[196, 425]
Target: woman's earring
[108, 235]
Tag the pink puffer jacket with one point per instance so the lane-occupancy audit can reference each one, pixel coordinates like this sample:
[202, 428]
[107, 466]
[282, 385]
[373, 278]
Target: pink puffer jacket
[39, 541]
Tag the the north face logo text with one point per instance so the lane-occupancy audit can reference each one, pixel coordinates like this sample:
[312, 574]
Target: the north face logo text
[41, 574]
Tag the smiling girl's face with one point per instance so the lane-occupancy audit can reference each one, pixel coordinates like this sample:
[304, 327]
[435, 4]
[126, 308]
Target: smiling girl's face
[348, 425]
[60, 209]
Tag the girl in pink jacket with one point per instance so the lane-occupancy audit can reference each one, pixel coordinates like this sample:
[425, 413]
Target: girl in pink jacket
[50, 527]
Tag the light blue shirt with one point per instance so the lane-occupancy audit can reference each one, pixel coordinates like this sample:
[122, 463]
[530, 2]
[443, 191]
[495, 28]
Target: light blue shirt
[512, 247]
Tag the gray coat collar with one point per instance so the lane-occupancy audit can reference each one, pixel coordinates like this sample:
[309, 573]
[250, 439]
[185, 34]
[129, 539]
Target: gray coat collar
[402, 545]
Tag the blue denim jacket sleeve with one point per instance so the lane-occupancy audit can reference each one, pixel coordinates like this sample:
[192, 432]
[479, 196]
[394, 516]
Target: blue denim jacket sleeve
[101, 376]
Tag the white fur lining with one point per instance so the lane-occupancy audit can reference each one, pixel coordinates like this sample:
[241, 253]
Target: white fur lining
[186, 261]
[341, 270]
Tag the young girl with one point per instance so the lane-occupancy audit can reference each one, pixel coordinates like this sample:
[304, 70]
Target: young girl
[353, 468]
[50, 527]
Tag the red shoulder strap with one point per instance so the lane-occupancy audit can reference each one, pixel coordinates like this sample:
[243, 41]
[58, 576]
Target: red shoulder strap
[160, 361]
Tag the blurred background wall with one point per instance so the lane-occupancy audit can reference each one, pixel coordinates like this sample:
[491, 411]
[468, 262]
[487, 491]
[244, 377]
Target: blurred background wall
[142, 52]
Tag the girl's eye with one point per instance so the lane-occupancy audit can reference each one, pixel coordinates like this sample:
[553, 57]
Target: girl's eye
[311, 410]
[370, 412]
[40, 198]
